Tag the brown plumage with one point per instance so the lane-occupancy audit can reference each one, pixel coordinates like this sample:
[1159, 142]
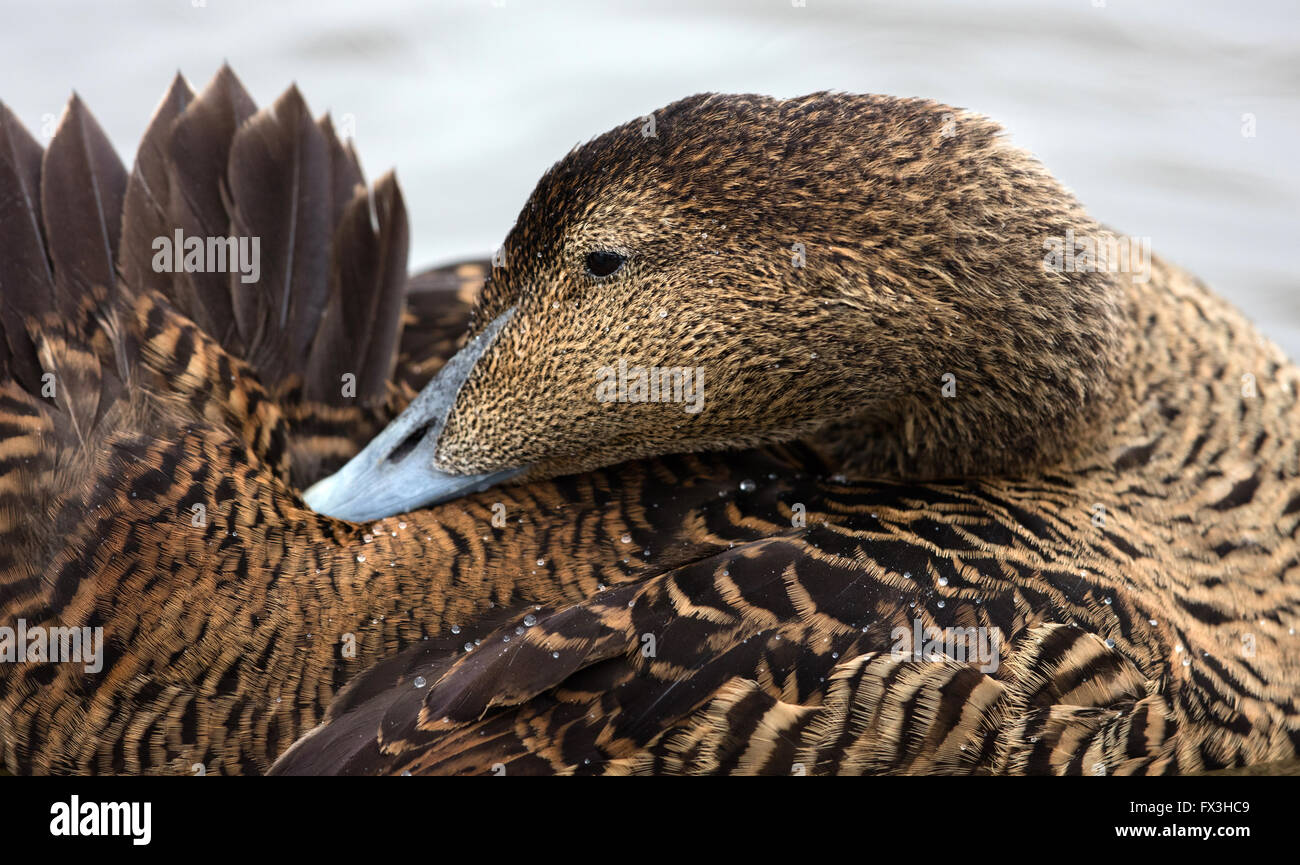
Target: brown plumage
[698, 613]
[1121, 503]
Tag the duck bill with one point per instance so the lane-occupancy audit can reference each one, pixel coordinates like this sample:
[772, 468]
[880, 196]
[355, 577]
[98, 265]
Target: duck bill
[395, 473]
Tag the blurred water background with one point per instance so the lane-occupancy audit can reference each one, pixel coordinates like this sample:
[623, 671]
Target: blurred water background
[1138, 105]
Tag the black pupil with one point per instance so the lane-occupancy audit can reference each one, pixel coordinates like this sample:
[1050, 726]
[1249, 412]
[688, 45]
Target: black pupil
[603, 263]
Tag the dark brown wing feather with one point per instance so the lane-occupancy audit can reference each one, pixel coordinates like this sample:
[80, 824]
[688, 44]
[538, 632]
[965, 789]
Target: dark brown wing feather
[198, 156]
[26, 283]
[83, 185]
[146, 214]
[345, 170]
[82, 191]
[389, 283]
[280, 182]
[368, 281]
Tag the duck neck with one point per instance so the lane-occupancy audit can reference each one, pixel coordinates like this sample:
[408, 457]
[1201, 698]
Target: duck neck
[1177, 381]
[1010, 394]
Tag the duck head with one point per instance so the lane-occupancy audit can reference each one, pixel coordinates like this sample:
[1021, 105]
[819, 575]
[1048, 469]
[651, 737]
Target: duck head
[863, 272]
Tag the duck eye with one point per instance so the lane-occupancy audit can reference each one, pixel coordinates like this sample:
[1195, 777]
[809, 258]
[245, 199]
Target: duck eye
[603, 263]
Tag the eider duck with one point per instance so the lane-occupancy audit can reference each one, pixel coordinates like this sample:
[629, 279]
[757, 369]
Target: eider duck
[1091, 459]
[908, 425]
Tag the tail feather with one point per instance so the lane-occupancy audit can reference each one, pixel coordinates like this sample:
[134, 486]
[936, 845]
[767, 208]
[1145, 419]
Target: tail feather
[368, 284]
[147, 211]
[345, 170]
[329, 298]
[362, 322]
[391, 240]
[26, 280]
[197, 157]
[279, 184]
[332, 348]
[83, 184]
[82, 190]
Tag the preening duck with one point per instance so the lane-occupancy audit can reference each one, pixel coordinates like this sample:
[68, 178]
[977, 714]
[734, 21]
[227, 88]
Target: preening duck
[1079, 459]
[1092, 476]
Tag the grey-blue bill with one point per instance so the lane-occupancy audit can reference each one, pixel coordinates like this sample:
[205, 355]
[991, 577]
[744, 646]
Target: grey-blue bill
[395, 472]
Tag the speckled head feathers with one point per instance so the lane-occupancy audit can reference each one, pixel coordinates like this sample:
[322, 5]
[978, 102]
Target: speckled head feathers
[866, 272]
